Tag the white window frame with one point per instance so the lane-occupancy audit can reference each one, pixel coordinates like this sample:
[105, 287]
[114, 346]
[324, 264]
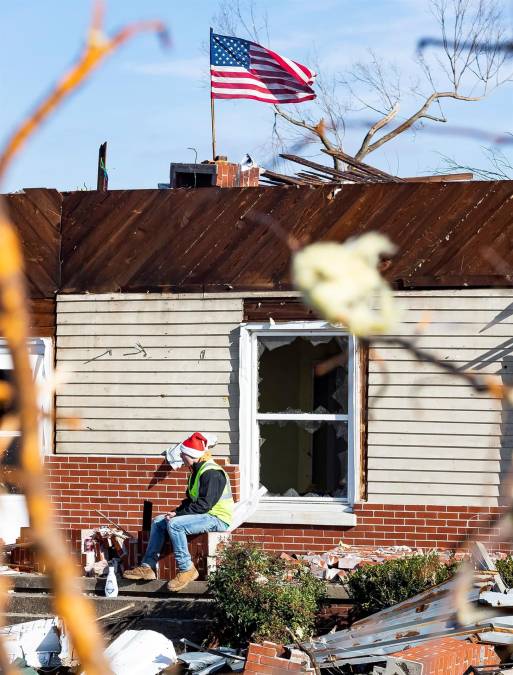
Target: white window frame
[294, 510]
[41, 361]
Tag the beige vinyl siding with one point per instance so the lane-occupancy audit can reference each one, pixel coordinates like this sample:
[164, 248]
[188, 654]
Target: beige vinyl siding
[146, 370]
[431, 438]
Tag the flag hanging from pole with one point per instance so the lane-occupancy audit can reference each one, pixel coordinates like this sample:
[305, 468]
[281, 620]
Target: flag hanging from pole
[243, 69]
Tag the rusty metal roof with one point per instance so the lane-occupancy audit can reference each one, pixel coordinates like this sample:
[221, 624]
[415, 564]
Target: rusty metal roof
[448, 235]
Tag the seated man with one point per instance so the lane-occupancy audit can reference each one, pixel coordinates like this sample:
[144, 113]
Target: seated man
[208, 507]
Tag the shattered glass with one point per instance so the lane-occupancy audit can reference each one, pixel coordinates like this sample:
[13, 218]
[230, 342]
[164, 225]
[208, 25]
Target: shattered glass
[302, 374]
[298, 460]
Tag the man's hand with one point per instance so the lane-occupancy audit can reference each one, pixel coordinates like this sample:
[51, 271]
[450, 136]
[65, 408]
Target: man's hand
[170, 514]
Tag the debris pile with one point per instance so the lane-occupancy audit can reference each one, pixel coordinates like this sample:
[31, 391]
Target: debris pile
[336, 564]
[378, 640]
[107, 544]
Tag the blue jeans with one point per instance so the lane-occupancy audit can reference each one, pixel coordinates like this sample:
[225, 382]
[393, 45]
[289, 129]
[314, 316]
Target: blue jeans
[178, 528]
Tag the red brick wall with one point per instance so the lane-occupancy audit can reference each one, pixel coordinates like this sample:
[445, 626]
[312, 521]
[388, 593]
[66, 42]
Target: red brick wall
[386, 525]
[117, 486]
[449, 656]
[231, 175]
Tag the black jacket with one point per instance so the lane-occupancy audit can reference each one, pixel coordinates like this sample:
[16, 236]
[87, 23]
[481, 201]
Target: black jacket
[210, 490]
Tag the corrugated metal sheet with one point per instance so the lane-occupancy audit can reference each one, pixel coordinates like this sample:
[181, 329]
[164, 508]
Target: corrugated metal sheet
[425, 617]
[214, 239]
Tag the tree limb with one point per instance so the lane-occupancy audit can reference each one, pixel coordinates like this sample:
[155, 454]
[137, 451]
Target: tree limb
[421, 112]
[375, 128]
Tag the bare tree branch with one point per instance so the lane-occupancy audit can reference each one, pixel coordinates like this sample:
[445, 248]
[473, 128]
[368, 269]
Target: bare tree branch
[419, 114]
[364, 148]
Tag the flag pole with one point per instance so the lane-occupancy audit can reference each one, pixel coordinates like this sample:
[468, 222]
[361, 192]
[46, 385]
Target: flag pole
[212, 109]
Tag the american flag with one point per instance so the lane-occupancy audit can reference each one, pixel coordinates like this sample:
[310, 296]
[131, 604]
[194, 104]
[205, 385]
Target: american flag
[243, 69]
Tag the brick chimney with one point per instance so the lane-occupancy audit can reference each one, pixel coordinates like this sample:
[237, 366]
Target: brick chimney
[220, 173]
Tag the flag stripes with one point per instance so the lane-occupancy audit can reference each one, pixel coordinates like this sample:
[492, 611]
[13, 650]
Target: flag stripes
[242, 69]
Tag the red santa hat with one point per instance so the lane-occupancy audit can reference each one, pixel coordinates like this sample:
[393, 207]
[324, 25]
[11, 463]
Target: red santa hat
[195, 446]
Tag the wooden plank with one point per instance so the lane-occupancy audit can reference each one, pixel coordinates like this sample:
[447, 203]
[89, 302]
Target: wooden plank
[155, 377]
[134, 437]
[189, 295]
[148, 329]
[444, 391]
[136, 318]
[377, 402]
[422, 427]
[151, 425]
[472, 330]
[190, 402]
[366, 168]
[279, 309]
[450, 342]
[459, 301]
[143, 366]
[346, 175]
[415, 452]
[473, 357]
[152, 353]
[435, 478]
[425, 313]
[42, 317]
[152, 303]
[379, 497]
[129, 343]
[282, 178]
[440, 178]
[141, 449]
[420, 380]
[431, 415]
[421, 367]
[147, 390]
[90, 414]
[449, 467]
[469, 489]
[427, 440]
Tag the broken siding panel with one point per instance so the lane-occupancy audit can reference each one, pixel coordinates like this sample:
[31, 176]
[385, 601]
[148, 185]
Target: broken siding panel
[431, 438]
[147, 371]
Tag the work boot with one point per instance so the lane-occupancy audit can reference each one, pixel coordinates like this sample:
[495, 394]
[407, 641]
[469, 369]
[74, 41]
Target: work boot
[142, 572]
[183, 579]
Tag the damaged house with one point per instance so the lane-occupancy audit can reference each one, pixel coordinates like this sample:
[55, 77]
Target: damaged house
[174, 312]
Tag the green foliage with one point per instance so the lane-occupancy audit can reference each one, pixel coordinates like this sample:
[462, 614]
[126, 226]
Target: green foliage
[257, 596]
[375, 587]
[505, 569]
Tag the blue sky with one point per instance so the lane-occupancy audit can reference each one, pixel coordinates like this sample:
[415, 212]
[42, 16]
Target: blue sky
[152, 104]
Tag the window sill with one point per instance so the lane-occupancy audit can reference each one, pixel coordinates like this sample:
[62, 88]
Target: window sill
[303, 514]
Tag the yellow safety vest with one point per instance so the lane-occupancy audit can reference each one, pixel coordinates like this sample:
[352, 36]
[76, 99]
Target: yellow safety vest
[224, 507]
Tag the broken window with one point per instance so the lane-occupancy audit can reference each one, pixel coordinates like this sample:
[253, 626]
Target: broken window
[303, 413]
